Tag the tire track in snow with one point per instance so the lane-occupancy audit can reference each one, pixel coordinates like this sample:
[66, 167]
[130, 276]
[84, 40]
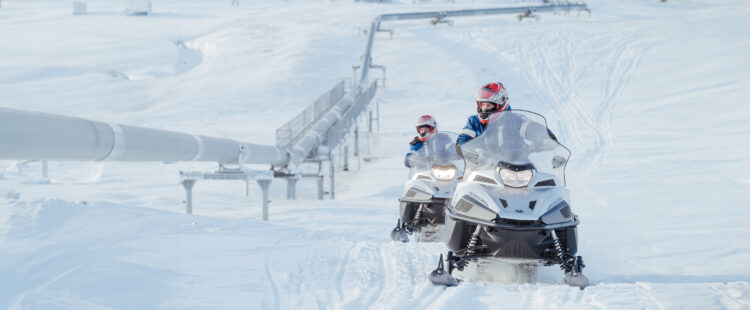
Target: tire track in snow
[269, 275]
[554, 85]
[19, 301]
[429, 300]
[645, 290]
[559, 85]
[381, 284]
[724, 296]
[342, 272]
[620, 68]
[362, 281]
[563, 79]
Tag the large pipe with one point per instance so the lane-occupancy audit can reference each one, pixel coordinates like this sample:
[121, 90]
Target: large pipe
[491, 11]
[317, 134]
[367, 58]
[43, 136]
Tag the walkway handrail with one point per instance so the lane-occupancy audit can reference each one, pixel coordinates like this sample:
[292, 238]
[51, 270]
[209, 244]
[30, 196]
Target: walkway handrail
[292, 131]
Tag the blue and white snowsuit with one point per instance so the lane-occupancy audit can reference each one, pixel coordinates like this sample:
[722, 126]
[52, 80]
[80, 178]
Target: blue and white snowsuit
[474, 128]
[415, 145]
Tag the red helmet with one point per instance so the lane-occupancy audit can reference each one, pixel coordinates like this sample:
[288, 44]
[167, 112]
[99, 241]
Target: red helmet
[426, 127]
[493, 93]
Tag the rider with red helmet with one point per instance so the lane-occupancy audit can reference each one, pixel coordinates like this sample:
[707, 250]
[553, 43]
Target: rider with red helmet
[491, 98]
[426, 128]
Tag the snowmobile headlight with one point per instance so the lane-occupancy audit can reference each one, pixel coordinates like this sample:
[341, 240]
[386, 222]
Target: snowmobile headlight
[515, 178]
[444, 173]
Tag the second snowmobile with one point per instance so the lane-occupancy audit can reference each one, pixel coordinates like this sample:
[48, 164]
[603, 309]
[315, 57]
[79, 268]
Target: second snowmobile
[435, 170]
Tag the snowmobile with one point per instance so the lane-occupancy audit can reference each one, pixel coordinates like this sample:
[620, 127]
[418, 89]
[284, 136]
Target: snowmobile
[512, 204]
[435, 170]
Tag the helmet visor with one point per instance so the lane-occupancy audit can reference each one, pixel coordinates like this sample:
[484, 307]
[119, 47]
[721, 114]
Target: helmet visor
[424, 129]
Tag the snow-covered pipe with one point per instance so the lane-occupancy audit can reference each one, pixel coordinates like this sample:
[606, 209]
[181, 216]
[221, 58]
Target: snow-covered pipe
[43, 136]
[318, 133]
[375, 26]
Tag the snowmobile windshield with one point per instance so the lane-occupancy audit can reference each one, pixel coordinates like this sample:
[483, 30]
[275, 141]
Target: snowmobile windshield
[438, 150]
[516, 138]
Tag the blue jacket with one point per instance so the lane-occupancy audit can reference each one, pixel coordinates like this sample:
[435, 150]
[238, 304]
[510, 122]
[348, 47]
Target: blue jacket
[414, 146]
[473, 129]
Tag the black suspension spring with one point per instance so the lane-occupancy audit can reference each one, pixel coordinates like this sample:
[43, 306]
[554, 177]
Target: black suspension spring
[558, 250]
[418, 215]
[474, 240]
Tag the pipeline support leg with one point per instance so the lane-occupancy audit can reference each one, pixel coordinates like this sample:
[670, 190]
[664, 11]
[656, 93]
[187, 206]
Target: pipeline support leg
[377, 113]
[188, 185]
[320, 181]
[332, 172]
[291, 188]
[346, 157]
[320, 187]
[264, 185]
[356, 141]
[369, 122]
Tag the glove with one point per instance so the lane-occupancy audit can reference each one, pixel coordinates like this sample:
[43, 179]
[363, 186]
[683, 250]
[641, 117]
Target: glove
[411, 159]
[406, 162]
[552, 136]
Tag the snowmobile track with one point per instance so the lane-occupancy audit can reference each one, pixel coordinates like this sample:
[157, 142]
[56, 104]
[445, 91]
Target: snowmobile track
[341, 274]
[269, 275]
[381, 284]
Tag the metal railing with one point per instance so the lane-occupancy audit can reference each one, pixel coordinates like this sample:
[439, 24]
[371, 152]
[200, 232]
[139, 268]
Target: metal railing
[290, 132]
[341, 129]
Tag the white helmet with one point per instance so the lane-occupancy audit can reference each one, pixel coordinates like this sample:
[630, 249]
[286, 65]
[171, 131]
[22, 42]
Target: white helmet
[493, 93]
[426, 127]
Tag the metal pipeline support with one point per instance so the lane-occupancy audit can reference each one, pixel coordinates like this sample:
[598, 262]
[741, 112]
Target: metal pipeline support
[43, 136]
[490, 11]
[367, 57]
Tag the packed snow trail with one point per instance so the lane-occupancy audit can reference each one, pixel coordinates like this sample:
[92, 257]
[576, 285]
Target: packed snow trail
[649, 97]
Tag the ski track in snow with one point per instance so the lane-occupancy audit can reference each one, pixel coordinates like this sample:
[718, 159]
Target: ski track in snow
[23, 296]
[269, 275]
[340, 277]
[645, 290]
[382, 279]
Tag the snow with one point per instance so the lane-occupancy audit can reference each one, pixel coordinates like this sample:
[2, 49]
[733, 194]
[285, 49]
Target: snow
[649, 96]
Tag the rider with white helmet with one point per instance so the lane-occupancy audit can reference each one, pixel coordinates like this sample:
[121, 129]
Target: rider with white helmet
[426, 128]
[491, 98]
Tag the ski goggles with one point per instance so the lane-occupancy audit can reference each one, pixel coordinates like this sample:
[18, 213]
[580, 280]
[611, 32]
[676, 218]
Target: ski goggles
[424, 128]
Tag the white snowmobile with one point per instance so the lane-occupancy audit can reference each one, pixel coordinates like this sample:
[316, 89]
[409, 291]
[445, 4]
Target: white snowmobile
[512, 205]
[435, 170]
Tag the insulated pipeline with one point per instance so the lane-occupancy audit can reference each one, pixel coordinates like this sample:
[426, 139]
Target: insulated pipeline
[43, 136]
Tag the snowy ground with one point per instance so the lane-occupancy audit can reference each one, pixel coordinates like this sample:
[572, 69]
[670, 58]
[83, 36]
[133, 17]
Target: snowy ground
[650, 96]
